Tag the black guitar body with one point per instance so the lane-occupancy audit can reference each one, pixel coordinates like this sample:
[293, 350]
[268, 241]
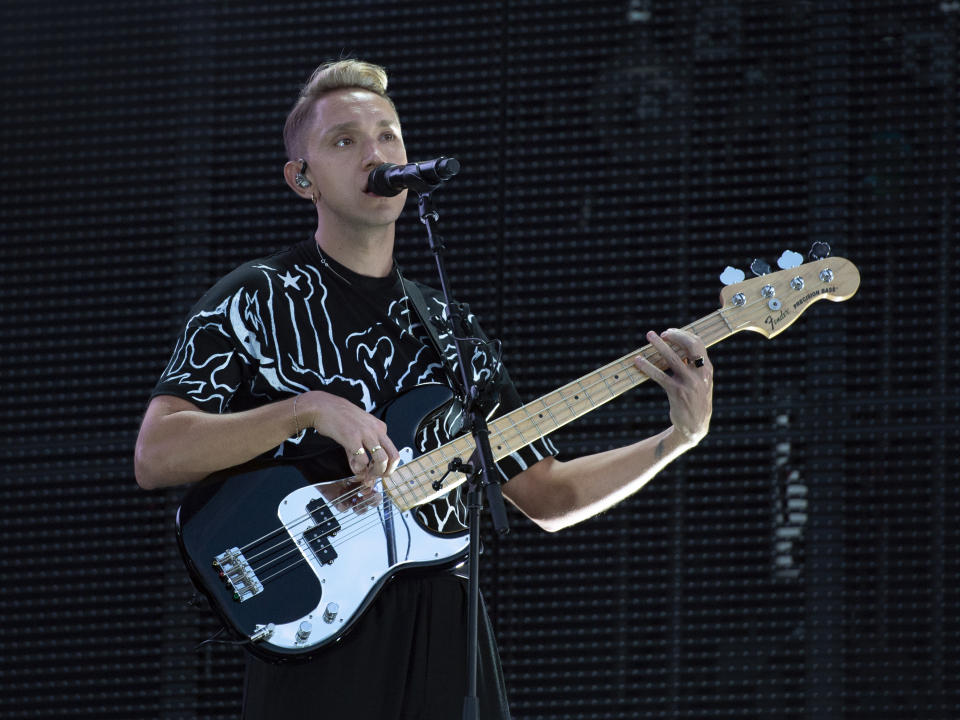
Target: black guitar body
[284, 568]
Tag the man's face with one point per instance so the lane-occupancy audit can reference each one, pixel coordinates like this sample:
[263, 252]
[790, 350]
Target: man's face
[353, 131]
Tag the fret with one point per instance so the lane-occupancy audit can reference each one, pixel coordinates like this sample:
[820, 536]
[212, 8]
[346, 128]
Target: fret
[553, 417]
[444, 458]
[500, 445]
[585, 392]
[521, 431]
[537, 430]
[441, 462]
[419, 483]
[539, 411]
[572, 407]
[394, 486]
[431, 473]
[558, 410]
[402, 487]
[418, 469]
[623, 378]
[698, 326]
[464, 447]
[719, 313]
[606, 384]
[717, 327]
[581, 401]
[521, 427]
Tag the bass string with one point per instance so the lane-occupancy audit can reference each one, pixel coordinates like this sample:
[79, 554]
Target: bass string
[351, 496]
[363, 524]
[347, 496]
[283, 529]
[357, 529]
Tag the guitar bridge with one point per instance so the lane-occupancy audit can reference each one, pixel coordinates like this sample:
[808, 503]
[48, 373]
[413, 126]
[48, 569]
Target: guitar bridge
[237, 574]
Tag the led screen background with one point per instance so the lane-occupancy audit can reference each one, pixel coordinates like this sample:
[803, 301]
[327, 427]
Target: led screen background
[616, 157]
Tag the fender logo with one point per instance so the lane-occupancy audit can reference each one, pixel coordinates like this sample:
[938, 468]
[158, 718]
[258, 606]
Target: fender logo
[810, 296]
[774, 321]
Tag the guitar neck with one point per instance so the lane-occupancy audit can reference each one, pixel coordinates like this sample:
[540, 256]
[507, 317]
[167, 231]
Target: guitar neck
[412, 484]
[540, 417]
[766, 304]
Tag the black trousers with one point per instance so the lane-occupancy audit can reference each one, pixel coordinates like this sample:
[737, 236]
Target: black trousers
[405, 659]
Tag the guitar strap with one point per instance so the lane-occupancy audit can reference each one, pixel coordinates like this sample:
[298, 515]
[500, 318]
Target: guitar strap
[490, 399]
[432, 324]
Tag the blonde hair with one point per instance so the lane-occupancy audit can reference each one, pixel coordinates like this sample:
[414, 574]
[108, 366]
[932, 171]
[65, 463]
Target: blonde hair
[334, 75]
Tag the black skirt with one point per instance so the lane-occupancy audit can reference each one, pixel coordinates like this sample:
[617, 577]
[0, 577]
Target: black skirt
[405, 659]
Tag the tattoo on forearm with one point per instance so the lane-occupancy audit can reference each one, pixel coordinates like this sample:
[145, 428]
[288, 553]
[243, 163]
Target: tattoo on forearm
[659, 450]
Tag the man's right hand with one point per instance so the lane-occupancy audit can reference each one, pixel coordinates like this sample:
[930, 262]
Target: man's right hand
[370, 452]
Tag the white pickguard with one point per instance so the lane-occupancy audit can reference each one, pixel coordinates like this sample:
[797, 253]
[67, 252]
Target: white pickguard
[362, 561]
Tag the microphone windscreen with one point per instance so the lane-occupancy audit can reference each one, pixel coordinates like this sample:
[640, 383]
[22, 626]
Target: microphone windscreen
[379, 184]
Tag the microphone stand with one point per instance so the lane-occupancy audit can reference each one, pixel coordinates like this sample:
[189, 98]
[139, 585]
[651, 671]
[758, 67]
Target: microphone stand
[479, 474]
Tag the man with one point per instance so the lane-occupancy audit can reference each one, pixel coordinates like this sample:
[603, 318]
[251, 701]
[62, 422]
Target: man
[289, 356]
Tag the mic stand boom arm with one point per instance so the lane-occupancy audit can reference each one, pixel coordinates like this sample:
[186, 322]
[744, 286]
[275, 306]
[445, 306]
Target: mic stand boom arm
[481, 481]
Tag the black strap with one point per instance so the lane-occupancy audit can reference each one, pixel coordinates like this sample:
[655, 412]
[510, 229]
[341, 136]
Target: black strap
[491, 396]
[433, 323]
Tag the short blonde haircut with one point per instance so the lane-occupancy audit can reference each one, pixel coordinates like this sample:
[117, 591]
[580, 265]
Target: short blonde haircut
[334, 75]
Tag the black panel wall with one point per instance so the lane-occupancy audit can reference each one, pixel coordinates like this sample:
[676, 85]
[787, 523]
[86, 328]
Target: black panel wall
[617, 155]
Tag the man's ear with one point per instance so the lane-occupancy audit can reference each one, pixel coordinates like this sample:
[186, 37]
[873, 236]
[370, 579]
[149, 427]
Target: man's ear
[295, 173]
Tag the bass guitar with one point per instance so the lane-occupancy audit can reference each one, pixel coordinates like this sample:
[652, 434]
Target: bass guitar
[289, 564]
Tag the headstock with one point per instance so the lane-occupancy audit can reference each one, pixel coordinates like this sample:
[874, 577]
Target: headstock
[769, 304]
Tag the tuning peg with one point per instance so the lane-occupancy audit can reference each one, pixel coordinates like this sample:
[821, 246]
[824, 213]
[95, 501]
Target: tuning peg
[759, 267]
[789, 259]
[731, 275]
[819, 250]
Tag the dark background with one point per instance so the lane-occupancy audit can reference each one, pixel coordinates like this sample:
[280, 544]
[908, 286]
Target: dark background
[800, 563]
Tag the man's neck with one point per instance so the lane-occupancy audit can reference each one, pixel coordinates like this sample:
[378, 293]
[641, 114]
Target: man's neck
[366, 253]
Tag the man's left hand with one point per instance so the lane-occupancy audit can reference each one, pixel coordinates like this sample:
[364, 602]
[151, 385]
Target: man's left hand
[688, 380]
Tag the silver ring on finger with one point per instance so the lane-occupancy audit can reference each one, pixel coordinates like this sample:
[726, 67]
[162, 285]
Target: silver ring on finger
[373, 450]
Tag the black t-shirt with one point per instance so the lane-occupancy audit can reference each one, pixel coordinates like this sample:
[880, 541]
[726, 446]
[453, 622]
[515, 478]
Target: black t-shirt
[297, 321]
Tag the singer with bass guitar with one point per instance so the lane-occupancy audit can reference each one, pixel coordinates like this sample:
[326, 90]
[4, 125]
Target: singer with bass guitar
[296, 359]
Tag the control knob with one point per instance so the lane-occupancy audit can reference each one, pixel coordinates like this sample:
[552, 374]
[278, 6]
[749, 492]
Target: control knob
[330, 614]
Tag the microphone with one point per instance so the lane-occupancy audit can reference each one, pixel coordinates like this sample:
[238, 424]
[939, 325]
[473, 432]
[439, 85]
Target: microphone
[389, 179]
